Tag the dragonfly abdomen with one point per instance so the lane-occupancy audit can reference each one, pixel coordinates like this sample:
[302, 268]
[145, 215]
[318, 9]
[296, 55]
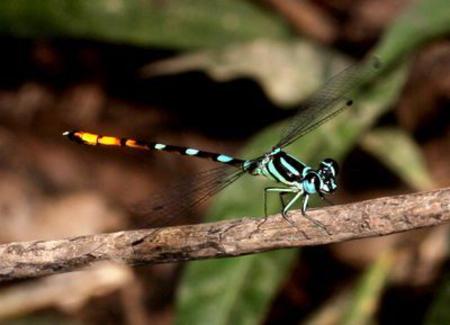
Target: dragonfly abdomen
[111, 141]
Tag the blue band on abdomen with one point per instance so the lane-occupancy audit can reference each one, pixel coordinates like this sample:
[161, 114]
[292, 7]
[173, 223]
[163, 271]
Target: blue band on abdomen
[224, 158]
[191, 152]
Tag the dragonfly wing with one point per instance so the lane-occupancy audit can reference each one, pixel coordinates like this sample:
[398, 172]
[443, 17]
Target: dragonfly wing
[328, 101]
[180, 200]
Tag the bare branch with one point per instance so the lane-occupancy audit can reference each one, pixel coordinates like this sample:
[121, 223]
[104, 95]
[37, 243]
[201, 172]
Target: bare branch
[227, 238]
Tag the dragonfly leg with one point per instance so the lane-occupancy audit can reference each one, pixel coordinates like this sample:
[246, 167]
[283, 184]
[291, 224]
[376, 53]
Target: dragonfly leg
[317, 223]
[305, 205]
[288, 206]
[281, 190]
[283, 203]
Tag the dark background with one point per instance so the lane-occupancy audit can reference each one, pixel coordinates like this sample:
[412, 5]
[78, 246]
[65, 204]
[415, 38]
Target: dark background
[54, 79]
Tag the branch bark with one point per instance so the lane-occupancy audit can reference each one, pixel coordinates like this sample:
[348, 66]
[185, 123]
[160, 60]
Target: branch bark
[234, 237]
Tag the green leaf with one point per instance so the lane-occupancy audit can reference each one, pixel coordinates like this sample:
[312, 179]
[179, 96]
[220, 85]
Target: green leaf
[439, 312]
[216, 296]
[357, 305]
[172, 24]
[238, 291]
[287, 70]
[422, 22]
[398, 151]
[368, 291]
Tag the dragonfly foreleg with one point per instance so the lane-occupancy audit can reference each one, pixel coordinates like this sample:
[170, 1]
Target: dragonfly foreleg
[288, 206]
[317, 223]
[281, 190]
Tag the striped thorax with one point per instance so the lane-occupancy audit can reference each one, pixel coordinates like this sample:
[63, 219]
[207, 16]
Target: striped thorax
[288, 170]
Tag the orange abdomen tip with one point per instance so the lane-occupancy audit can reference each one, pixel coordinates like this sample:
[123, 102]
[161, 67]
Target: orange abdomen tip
[82, 137]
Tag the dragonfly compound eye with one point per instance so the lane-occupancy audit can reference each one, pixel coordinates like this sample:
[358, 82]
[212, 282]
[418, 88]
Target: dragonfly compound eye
[330, 165]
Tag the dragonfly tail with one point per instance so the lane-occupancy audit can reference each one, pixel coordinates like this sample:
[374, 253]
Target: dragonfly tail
[93, 139]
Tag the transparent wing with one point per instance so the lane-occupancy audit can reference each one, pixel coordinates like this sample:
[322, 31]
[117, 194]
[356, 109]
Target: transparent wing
[328, 101]
[177, 202]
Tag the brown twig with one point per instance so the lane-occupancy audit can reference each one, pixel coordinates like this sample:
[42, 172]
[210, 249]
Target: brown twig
[227, 238]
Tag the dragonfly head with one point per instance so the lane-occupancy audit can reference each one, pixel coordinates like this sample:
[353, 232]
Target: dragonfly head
[328, 170]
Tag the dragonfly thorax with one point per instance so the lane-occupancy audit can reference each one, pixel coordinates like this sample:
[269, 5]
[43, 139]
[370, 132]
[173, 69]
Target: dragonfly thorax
[281, 167]
[285, 168]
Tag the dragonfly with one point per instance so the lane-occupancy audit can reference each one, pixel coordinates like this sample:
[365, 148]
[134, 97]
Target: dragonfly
[292, 176]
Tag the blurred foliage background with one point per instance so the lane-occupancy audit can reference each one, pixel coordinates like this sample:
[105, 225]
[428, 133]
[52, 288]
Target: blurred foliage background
[225, 76]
